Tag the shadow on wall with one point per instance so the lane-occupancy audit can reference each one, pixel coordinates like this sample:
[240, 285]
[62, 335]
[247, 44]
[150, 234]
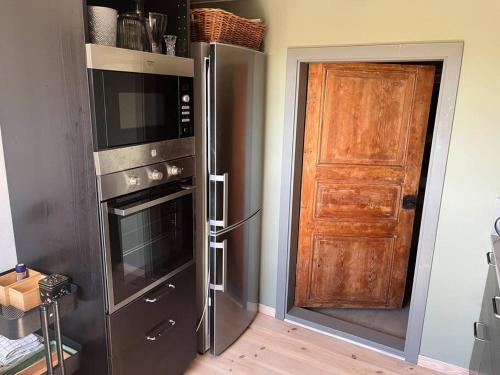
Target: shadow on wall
[8, 257]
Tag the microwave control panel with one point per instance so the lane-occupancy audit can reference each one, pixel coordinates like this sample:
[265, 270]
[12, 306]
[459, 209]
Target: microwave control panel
[186, 128]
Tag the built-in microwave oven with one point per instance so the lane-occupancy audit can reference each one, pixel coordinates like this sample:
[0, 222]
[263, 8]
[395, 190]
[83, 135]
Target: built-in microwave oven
[138, 97]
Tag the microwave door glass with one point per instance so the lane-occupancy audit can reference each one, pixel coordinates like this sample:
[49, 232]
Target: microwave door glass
[139, 108]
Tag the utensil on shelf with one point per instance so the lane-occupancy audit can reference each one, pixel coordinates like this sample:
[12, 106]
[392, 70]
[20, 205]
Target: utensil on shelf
[158, 26]
[170, 41]
[102, 25]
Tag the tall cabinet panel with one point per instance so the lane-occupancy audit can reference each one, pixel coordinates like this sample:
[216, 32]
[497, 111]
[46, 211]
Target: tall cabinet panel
[46, 129]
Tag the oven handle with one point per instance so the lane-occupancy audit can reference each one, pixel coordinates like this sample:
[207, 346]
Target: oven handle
[140, 207]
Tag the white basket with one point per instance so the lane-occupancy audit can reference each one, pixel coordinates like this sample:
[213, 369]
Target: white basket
[102, 25]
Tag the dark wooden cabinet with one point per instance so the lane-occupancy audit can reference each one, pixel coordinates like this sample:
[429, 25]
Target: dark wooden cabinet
[485, 358]
[162, 337]
[47, 138]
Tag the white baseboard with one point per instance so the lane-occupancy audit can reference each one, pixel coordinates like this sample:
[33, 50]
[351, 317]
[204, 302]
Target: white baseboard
[267, 310]
[443, 367]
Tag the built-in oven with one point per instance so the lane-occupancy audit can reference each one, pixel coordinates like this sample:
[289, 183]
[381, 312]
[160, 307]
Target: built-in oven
[147, 217]
[138, 97]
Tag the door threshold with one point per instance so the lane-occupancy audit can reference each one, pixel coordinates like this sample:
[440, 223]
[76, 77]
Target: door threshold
[353, 333]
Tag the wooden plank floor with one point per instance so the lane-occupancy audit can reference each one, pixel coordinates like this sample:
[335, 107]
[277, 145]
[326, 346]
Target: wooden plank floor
[271, 346]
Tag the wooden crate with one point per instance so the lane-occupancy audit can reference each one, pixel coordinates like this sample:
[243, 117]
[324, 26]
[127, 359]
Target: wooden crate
[40, 367]
[9, 280]
[25, 294]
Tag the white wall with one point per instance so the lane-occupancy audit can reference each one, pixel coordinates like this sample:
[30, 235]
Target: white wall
[8, 256]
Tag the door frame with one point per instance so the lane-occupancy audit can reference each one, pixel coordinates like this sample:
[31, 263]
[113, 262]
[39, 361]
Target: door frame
[450, 53]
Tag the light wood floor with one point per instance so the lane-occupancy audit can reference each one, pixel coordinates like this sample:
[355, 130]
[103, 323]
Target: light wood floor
[271, 346]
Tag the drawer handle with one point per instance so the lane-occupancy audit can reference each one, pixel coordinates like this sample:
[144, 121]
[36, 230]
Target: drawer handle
[161, 331]
[476, 336]
[160, 295]
[490, 257]
[495, 301]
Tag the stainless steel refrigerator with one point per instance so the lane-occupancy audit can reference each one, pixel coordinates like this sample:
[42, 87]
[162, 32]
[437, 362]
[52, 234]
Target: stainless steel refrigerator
[229, 104]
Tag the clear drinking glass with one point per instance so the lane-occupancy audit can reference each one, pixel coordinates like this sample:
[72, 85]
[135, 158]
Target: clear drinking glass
[170, 41]
[158, 25]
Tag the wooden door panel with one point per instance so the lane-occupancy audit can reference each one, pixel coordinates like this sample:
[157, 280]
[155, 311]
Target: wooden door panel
[356, 201]
[374, 130]
[374, 174]
[363, 149]
[350, 270]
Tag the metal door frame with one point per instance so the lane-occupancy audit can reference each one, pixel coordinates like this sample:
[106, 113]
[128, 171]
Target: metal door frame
[450, 53]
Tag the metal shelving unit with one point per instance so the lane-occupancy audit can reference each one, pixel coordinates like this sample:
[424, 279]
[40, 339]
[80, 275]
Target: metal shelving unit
[15, 324]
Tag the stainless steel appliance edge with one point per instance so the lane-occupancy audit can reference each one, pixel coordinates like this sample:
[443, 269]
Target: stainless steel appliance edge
[123, 158]
[229, 94]
[125, 60]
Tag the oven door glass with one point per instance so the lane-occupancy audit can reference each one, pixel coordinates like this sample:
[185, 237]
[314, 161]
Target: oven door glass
[150, 235]
[132, 108]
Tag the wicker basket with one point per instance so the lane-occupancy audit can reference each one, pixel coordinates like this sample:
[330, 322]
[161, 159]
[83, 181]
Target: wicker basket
[217, 25]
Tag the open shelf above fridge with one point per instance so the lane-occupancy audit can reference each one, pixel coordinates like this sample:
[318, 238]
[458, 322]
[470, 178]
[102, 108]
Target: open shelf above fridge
[177, 11]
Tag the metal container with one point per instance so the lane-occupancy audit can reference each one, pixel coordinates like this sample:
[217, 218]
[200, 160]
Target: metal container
[102, 25]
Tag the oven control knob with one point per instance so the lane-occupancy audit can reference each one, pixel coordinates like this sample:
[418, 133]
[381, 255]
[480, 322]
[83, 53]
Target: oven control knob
[172, 170]
[186, 98]
[134, 180]
[156, 175]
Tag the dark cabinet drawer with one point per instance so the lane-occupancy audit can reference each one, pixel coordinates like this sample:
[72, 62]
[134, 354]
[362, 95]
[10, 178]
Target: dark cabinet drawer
[156, 334]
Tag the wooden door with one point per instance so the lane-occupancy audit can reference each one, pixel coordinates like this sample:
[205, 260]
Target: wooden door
[364, 141]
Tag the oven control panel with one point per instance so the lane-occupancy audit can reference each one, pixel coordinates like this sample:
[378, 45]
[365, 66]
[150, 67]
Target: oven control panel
[186, 128]
[121, 183]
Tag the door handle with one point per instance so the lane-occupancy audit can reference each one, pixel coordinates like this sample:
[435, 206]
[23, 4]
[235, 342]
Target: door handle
[495, 301]
[222, 246]
[490, 258]
[409, 202]
[163, 327]
[162, 293]
[225, 192]
[476, 335]
[126, 211]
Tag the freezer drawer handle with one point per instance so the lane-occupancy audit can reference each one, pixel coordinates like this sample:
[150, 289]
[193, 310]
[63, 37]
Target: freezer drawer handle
[161, 331]
[495, 301]
[224, 179]
[490, 258]
[476, 335]
[160, 295]
[223, 247]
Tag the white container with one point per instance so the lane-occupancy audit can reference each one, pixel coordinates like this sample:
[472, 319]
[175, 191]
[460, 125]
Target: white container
[102, 25]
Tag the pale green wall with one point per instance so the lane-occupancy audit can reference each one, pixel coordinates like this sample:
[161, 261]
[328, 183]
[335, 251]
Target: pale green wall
[473, 174]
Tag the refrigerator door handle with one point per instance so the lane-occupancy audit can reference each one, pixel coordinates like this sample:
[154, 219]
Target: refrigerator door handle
[224, 179]
[223, 247]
